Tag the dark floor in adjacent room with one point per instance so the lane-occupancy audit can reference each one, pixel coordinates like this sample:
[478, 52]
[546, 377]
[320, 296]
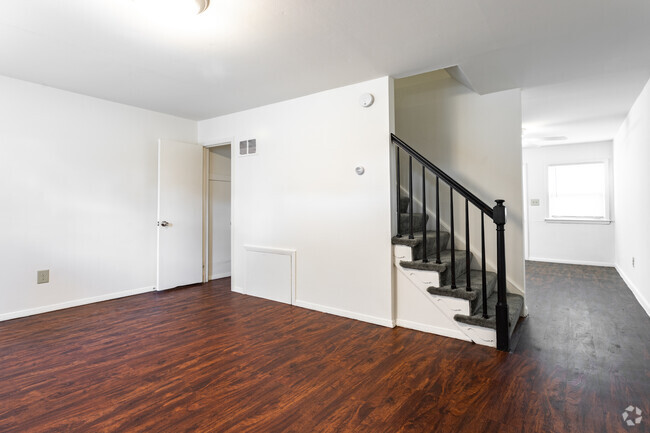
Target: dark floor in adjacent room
[204, 359]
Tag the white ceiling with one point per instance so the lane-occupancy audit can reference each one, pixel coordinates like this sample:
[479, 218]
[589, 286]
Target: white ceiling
[586, 110]
[580, 63]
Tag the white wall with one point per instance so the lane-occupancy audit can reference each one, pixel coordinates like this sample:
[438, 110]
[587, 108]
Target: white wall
[631, 183]
[78, 180]
[301, 192]
[578, 243]
[477, 141]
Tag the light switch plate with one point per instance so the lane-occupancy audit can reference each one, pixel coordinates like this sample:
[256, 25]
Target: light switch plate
[534, 202]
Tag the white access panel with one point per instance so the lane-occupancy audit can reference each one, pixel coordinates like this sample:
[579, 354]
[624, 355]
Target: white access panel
[270, 273]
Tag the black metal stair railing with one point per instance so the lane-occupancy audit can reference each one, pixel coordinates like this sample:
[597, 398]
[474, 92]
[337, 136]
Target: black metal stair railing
[497, 214]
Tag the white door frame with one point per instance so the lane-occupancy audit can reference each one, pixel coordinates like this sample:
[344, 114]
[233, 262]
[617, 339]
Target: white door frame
[524, 172]
[206, 201]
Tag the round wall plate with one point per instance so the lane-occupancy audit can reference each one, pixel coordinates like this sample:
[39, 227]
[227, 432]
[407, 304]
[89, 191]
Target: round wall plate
[366, 100]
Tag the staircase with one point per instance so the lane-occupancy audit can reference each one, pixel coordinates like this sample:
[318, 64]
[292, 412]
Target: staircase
[476, 301]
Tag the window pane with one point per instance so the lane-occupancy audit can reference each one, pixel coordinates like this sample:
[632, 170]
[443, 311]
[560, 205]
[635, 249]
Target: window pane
[577, 191]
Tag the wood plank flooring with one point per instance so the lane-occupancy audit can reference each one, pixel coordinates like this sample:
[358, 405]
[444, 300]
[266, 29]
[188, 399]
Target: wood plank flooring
[204, 359]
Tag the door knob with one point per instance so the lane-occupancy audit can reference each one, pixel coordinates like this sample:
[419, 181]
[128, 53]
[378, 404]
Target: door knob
[163, 223]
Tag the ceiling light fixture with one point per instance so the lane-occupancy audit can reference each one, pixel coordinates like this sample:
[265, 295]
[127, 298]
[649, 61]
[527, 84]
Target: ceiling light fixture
[175, 7]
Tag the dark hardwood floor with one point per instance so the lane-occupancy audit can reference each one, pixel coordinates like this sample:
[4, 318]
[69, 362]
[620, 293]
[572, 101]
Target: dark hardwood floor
[204, 359]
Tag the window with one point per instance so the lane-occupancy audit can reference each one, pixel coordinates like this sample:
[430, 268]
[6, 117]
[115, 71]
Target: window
[578, 191]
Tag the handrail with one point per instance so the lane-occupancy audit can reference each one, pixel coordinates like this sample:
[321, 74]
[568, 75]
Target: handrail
[444, 176]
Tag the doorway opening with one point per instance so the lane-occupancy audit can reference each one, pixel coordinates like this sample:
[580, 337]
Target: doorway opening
[218, 253]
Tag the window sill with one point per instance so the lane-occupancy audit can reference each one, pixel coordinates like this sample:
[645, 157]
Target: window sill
[577, 221]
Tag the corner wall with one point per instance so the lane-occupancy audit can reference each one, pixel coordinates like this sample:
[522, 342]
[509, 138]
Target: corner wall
[78, 197]
[477, 141]
[300, 191]
[631, 184]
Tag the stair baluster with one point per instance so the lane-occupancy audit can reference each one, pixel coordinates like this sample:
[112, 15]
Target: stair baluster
[399, 193]
[483, 270]
[424, 216]
[468, 256]
[438, 220]
[411, 197]
[451, 237]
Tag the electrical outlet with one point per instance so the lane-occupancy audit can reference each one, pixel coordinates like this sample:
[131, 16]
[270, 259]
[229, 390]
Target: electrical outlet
[43, 276]
[632, 261]
[534, 202]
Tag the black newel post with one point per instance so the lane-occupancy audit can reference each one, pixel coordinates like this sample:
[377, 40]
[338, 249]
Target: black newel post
[503, 337]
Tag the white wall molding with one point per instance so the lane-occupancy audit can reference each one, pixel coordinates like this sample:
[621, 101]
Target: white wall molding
[74, 303]
[645, 303]
[571, 262]
[345, 313]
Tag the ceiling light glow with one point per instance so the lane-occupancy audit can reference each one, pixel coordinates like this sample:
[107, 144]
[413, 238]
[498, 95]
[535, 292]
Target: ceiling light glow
[173, 8]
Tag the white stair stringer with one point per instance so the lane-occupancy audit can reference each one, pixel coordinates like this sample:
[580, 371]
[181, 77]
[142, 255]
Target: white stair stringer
[412, 314]
[480, 335]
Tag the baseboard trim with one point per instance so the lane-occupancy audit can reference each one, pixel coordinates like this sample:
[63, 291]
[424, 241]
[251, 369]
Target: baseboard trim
[345, 313]
[423, 327]
[217, 276]
[645, 304]
[74, 303]
[237, 289]
[571, 262]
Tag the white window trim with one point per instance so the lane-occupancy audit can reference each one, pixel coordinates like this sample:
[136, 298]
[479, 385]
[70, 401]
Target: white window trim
[580, 220]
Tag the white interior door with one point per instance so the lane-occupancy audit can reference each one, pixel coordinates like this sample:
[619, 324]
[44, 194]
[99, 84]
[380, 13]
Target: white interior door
[180, 214]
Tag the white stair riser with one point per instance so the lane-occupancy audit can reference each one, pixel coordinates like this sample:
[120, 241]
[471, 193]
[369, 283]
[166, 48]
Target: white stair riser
[422, 279]
[402, 252]
[452, 305]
